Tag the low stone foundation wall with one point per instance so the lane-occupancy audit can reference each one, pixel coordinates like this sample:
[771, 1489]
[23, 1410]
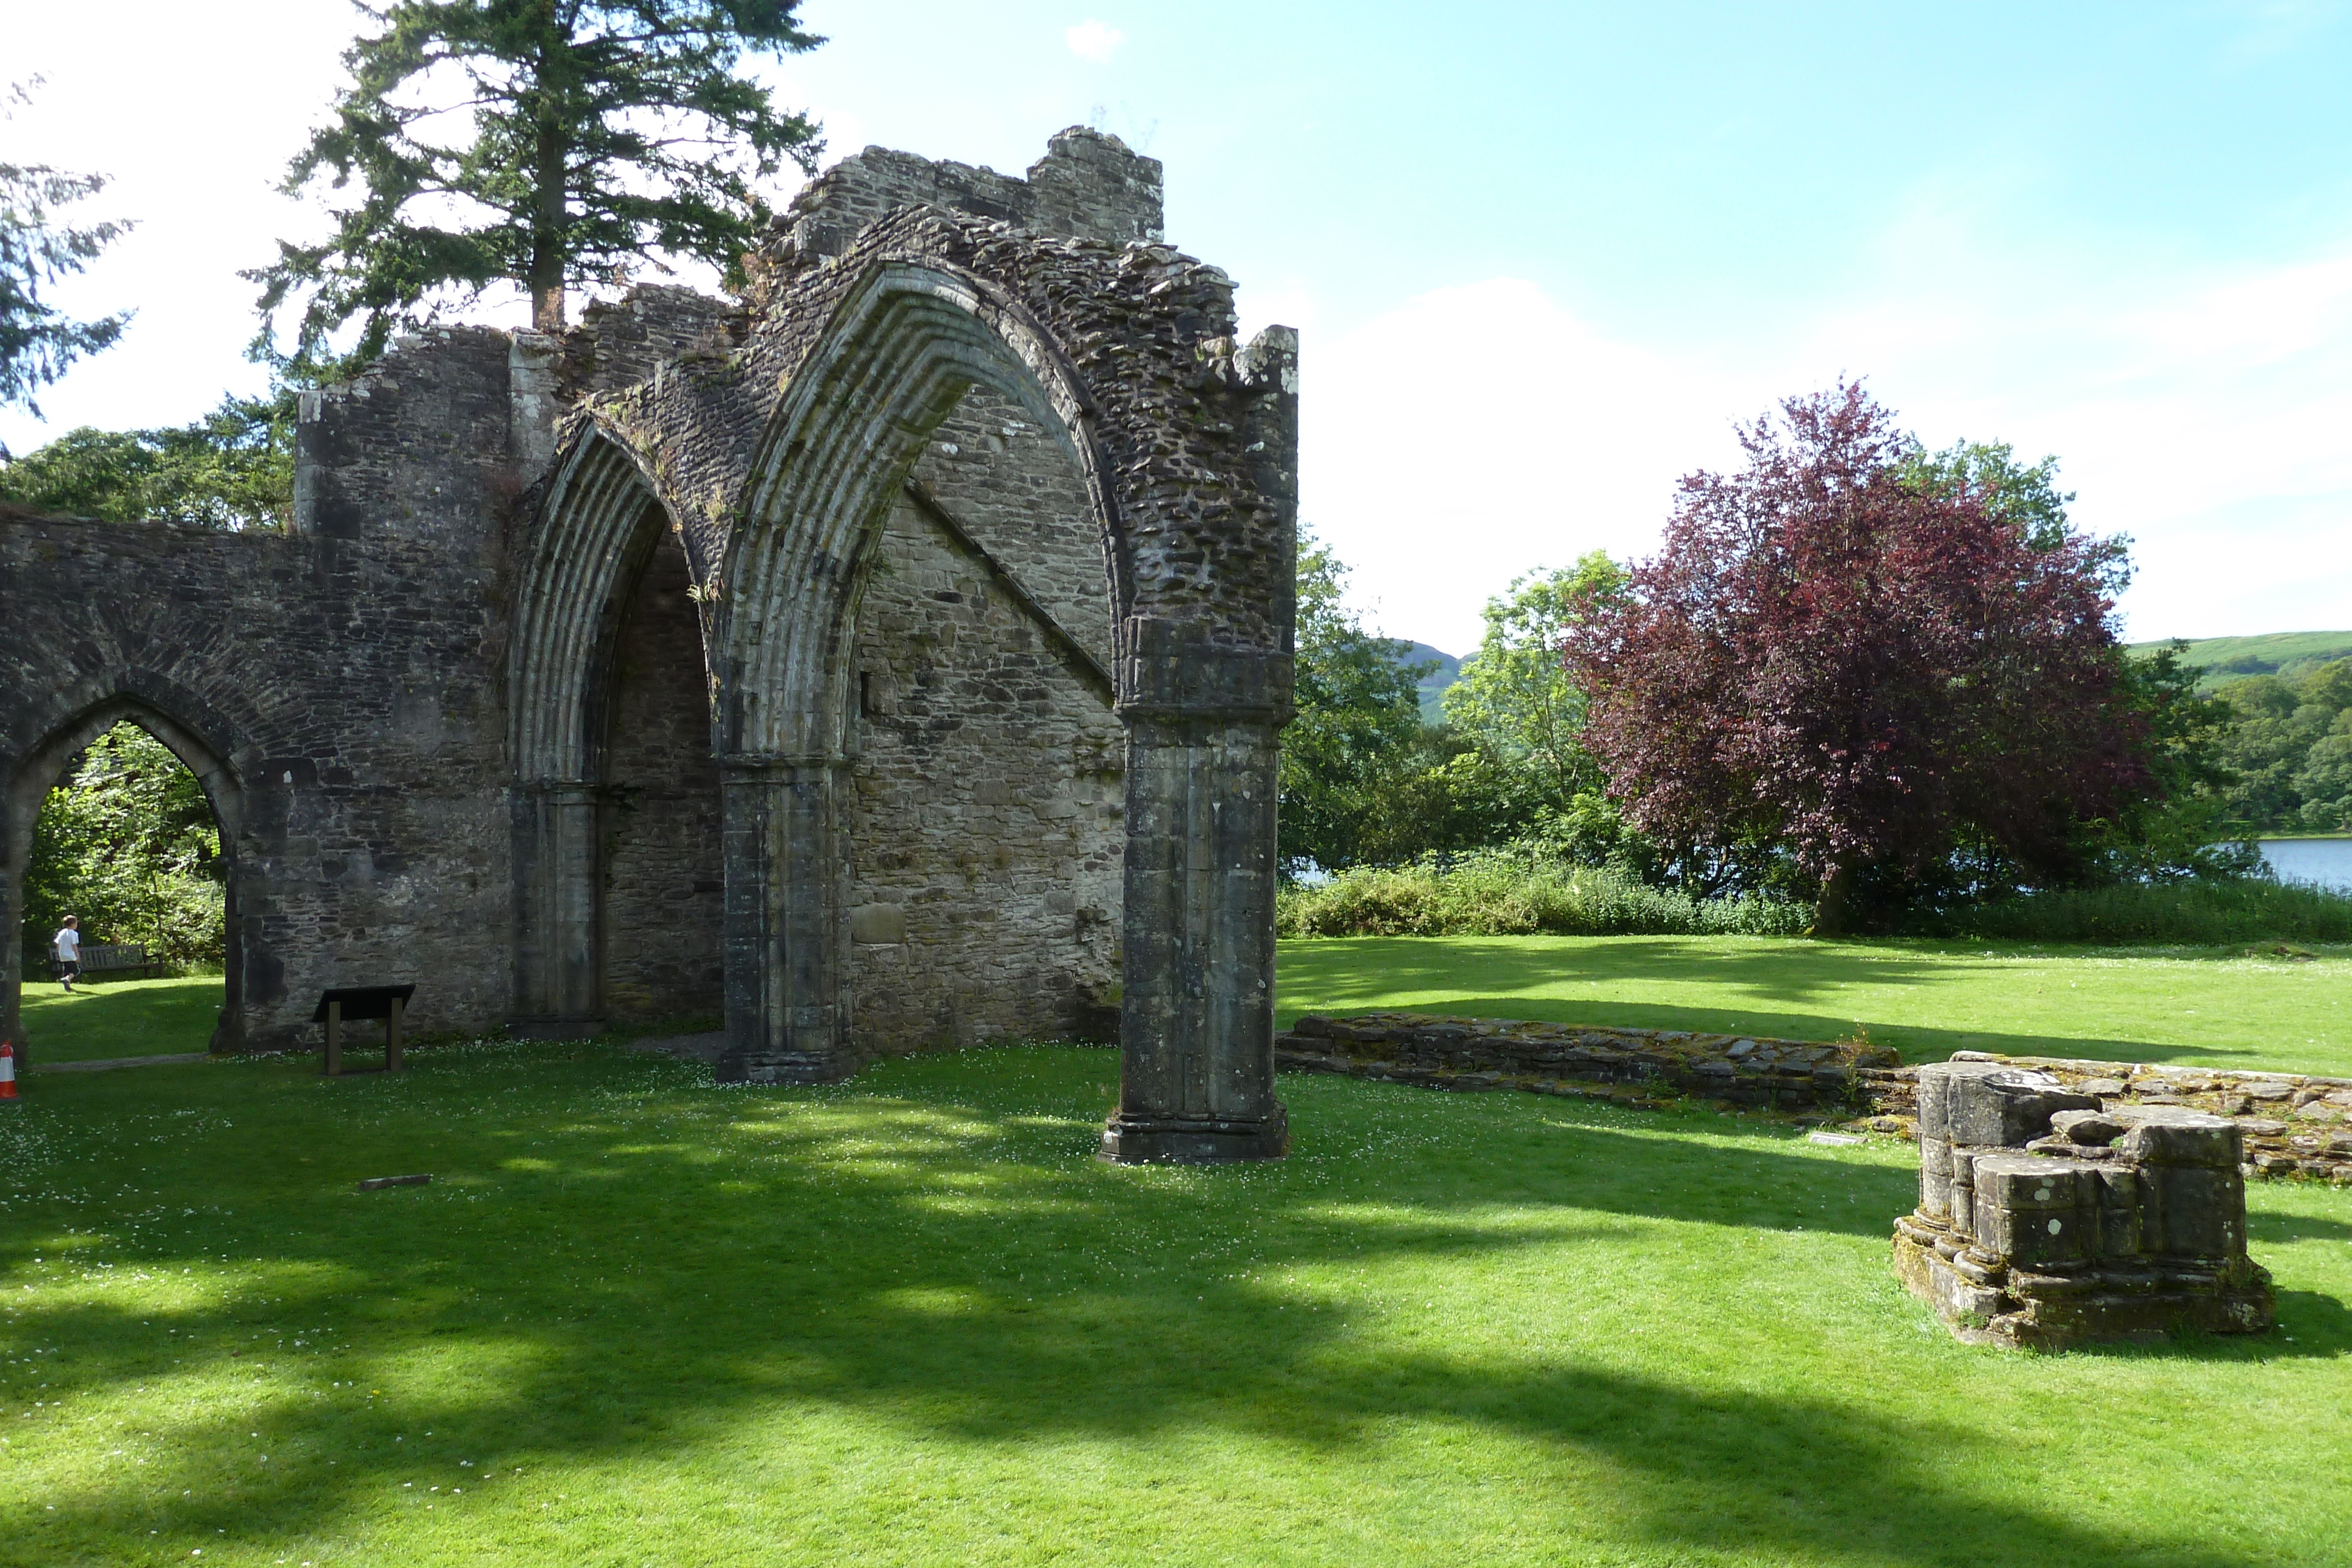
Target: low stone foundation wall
[1464, 1053]
[2292, 1124]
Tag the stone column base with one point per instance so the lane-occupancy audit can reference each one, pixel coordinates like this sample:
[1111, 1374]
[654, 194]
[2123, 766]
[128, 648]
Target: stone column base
[796, 1067]
[1139, 1140]
[2146, 1299]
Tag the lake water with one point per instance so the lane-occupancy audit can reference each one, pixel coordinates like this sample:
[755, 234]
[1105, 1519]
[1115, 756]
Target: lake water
[2327, 861]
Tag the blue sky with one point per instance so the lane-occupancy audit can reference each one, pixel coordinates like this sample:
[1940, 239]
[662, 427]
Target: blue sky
[1543, 255]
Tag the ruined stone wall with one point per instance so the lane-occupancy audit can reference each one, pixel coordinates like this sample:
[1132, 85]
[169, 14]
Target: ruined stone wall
[421, 446]
[1009, 483]
[2291, 1123]
[354, 680]
[1468, 1053]
[620, 342]
[347, 676]
[344, 686]
[1088, 186]
[663, 878]
[986, 820]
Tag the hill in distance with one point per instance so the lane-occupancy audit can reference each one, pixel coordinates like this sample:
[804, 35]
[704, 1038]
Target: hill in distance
[1433, 684]
[2219, 660]
[2222, 660]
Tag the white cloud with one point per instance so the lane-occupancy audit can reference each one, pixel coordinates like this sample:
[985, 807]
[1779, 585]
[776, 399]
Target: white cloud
[2203, 415]
[1093, 40]
[1476, 431]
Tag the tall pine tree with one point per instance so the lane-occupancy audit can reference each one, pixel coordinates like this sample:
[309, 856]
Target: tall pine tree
[37, 340]
[550, 143]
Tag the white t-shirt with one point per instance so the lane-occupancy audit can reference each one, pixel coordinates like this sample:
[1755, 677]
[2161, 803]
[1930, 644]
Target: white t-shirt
[68, 942]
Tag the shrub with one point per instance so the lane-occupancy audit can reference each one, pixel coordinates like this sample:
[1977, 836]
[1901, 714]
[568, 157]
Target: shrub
[1498, 895]
[2191, 912]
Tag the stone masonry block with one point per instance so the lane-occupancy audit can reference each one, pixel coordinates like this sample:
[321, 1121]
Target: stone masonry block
[2142, 1233]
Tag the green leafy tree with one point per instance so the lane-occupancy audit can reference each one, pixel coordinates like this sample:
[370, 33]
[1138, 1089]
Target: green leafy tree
[37, 340]
[2176, 826]
[232, 469]
[1358, 713]
[128, 842]
[1515, 694]
[2017, 495]
[1861, 669]
[550, 143]
[1444, 793]
[2290, 749]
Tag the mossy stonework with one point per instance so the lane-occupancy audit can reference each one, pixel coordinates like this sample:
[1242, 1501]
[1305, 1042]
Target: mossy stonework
[890, 658]
[1443, 1052]
[2046, 1218]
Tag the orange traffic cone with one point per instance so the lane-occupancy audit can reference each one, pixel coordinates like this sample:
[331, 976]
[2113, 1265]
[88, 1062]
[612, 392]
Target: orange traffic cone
[7, 1070]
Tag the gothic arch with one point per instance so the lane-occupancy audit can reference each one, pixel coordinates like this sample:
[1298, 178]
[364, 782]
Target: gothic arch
[782, 443]
[75, 722]
[589, 542]
[897, 356]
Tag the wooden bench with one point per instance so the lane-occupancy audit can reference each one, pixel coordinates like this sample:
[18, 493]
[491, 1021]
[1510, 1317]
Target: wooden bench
[115, 957]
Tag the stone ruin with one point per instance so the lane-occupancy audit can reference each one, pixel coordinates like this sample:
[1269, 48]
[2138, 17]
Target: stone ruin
[2045, 1221]
[1799, 1076]
[889, 659]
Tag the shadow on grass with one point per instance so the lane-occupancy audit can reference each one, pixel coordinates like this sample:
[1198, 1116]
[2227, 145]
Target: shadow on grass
[2280, 1229]
[1787, 972]
[2310, 1327]
[640, 1264]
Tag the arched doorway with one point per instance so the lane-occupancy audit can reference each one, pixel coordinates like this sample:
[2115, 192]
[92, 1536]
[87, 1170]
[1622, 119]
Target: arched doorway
[166, 807]
[659, 876]
[619, 887]
[782, 447]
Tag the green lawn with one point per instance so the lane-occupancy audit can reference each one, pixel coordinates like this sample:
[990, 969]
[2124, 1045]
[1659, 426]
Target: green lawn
[120, 1018]
[637, 1319]
[1928, 999]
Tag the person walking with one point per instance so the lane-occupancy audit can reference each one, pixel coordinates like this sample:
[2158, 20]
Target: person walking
[67, 945]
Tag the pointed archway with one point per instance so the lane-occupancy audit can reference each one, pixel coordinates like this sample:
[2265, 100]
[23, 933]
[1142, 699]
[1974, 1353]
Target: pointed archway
[21, 811]
[779, 444]
[596, 571]
[899, 352]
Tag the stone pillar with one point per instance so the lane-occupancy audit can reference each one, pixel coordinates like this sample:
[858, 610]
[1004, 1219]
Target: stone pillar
[1196, 1018]
[11, 956]
[787, 920]
[559, 932]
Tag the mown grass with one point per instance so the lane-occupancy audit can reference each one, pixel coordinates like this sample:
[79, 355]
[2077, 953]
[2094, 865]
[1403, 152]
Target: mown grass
[104, 1019]
[2212, 1007]
[2218, 1008]
[637, 1319]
